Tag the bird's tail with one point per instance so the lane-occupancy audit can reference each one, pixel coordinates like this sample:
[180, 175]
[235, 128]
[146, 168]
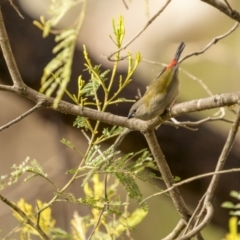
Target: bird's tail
[179, 51]
[177, 55]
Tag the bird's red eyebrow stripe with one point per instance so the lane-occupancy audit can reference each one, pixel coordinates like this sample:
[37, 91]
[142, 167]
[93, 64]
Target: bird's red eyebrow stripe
[172, 63]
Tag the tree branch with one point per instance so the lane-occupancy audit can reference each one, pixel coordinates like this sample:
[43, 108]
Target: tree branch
[220, 100]
[8, 55]
[33, 109]
[223, 157]
[216, 101]
[224, 9]
[191, 179]
[205, 221]
[25, 217]
[167, 175]
[214, 41]
[213, 184]
[176, 231]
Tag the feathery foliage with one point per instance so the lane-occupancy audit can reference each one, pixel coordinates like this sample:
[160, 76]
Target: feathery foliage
[102, 170]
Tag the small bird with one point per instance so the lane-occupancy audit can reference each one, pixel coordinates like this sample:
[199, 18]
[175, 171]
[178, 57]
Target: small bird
[161, 93]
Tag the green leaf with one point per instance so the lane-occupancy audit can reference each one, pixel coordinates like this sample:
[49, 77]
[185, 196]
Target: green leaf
[227, 205]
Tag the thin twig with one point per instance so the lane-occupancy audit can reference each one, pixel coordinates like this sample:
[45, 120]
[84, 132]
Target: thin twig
[8, 55]
[120, 138]
[223, 157]
[16, 9]
[176, 231]
[16, 229]
[194, 214]
[125, 4]
[189, 125]
[96, 225]
[178, 124]
[229, 6]
[27, 220]
[106, 203]
[105, 207]
[167, 175]
[128, 233]
[207, 119]
[205, 221]
[215, 179]
[191, 179]
[139, 33]
[33, 109]
[214, 41]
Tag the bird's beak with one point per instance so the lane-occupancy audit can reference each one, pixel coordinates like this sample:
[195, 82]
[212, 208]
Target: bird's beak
[130, 115]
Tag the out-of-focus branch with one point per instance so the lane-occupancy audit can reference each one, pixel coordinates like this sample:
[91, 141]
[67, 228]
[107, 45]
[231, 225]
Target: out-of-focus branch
[176, 231]
[8, 55]
[227, 3]
[33, 109]
[214, 41]
[16, 9]
[224, 9]
[27, 220]
[125, 4]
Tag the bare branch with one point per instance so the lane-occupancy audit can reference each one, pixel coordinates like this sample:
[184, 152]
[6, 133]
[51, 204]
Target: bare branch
[191, 179]
[214, 41]
[200, 81]
[207, 119]
[8, 55]
[25, 217]
[224, 8]
[216, 101]
[120, 138]
[35, 108]
[166, 174]
[178, 124]
[194, 216]
[16, 9]
[168, 177]
[105, 207]
[223, 157]
[205, 221]
[189, 124]
[139, 33]
[125, 4]
[227, 3]
[176, 231]
[215, 179]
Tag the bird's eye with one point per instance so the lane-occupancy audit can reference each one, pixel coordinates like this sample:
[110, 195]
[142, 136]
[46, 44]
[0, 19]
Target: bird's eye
[133, 112]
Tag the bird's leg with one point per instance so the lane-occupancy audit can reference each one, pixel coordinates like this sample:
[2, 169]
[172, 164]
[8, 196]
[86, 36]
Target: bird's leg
[168, 109]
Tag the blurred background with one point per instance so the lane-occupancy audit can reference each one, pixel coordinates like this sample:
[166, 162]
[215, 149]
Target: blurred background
[188, 152]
